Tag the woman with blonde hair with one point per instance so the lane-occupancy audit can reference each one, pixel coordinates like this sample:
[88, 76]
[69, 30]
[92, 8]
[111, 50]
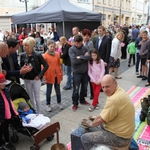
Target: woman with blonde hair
[114, 61]
[32, 79]
[3, 53]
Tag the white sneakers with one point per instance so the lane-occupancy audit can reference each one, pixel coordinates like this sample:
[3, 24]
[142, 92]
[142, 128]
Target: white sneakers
[48, 107]
[91, 108]
[60, 106]
[97, 106]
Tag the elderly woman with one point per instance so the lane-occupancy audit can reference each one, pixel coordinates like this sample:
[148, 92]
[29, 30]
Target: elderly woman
[114, 61]
[32, 78]
[3, 53]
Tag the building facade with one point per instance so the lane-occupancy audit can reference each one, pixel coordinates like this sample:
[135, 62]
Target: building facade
[114, 11]
[118, 11]
[139, 12]
[10, 7]
[148, 18]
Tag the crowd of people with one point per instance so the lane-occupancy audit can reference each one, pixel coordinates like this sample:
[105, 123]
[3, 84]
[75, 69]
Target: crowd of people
[87, 57]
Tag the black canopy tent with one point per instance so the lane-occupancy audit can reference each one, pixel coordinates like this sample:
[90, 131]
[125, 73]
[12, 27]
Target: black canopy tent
[61, 12]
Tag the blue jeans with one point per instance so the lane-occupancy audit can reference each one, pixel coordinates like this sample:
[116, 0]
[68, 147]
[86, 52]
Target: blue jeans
[68, 74]
[79, 79]
[49, 91]
[138, 58]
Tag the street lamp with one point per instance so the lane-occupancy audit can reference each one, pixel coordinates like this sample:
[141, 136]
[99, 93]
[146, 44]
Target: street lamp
[25, 4]
[120, 12]
[103, 18]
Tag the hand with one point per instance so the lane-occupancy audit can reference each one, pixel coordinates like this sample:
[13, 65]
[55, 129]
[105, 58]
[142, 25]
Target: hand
[86, 54]
[36, 78]
[115, 60]
[44, 81]
[97, 83]
[78, 57]
[148, 61]
[92, 118]
[105, 64]
[85, 123]
[25, 69]
[0, 123]
[4, 72]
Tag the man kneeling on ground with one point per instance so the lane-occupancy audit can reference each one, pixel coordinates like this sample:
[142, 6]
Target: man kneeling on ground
[116, 119]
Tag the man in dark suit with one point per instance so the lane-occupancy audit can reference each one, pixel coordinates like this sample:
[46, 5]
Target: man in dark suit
[103, 45]
[10, 62]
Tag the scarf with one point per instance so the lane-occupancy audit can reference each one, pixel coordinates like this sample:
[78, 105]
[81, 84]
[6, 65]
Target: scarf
[51, 53]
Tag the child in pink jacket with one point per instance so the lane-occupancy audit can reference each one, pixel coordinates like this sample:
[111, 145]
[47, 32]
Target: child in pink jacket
[7, 110]
[96, 70]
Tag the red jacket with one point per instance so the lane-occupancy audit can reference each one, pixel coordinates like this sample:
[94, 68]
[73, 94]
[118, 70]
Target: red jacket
[21, 38]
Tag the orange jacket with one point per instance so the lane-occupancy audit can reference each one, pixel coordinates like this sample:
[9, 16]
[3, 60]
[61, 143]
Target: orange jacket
[54, 69]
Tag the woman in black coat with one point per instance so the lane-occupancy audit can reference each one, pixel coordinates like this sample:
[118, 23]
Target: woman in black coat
[32, 79]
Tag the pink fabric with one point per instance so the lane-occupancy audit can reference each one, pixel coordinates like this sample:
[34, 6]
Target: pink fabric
[16, 113]
[58, 50]
[96, 71]
[7, 107]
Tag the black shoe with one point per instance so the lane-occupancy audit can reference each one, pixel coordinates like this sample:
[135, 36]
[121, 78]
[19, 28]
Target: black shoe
[144, 78]
[65, 88]
[2, 148]
[128, 65]
[142, 117]
[10, 146]
[140, 76]
[91, 97]
[85, 95]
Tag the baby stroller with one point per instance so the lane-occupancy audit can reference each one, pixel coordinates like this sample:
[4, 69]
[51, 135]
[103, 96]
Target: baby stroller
[19, 94]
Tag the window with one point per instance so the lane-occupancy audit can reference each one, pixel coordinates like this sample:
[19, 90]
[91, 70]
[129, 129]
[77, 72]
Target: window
[110, 2]
[84, 1]
[126, 4]
[122, 4]
[104, 1]
[114, 2]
